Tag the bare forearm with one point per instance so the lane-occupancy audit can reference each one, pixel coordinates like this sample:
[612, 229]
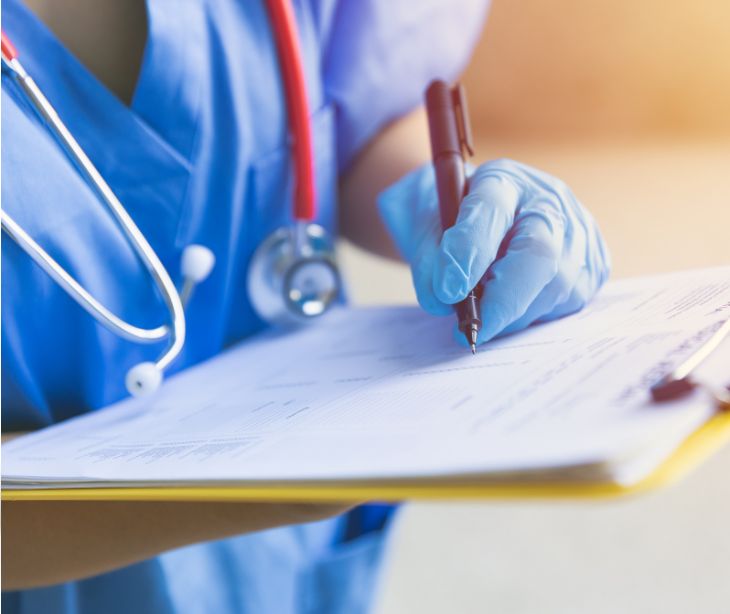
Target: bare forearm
[47, 542]
[397, 149]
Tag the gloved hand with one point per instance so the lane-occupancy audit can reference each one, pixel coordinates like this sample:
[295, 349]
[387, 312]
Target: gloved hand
[522, 232]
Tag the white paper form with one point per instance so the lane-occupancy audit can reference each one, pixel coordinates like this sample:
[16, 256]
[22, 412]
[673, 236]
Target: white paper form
[386, 393]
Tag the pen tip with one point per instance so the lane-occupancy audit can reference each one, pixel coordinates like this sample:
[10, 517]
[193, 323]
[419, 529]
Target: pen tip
[471, 338]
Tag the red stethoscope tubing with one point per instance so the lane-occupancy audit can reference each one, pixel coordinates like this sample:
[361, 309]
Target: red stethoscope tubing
[286, 38]
[9, 52]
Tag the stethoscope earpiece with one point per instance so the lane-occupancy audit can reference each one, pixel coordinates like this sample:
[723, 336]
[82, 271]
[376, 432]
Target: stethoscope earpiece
[197, 263]
[143, 379]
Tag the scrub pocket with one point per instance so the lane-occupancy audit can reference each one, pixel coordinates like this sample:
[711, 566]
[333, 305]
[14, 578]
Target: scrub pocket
[347, 580]
[272, 180]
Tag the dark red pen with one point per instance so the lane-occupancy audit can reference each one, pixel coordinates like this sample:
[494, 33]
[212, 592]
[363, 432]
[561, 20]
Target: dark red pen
[450, 132]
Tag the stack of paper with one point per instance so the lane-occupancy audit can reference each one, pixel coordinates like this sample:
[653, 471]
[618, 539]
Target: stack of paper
[385, 396]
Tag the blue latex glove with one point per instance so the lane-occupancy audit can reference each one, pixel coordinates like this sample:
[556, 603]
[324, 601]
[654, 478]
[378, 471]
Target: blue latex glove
[537, 250]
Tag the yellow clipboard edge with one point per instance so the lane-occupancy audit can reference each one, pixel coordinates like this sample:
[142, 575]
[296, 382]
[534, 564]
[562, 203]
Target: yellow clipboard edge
[694, 450]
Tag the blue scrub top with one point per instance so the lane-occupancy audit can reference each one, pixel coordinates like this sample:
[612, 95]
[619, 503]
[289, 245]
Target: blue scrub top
[200, 156]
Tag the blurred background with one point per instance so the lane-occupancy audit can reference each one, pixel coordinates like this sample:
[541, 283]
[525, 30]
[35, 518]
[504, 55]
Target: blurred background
[629, 103]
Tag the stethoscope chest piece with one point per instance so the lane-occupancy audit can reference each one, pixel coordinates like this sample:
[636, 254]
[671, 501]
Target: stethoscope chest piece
[293, 275]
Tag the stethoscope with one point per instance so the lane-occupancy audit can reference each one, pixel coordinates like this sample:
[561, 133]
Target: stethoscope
[292, 277]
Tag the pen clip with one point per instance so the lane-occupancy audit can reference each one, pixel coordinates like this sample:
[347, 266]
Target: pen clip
[463, 127]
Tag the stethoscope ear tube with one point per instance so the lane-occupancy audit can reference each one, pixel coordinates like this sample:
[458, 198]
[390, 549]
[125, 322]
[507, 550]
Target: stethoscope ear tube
[76, 291]
[175, 330]
[286, 38]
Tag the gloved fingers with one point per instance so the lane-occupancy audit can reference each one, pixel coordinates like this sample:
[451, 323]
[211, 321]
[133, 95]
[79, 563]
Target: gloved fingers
[584, 267]
[576, 300]
[562, 296]
[468, 248]
[573, 291]
[542, 251]
[598, 258]
[592, 275]
[570, 267]
[530, 263]
[546, 306]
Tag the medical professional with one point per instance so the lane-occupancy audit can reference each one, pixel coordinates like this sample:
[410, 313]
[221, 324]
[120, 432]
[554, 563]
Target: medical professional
[188, 126]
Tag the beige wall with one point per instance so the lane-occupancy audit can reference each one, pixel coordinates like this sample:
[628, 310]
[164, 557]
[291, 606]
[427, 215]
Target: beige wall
[654, 74]
[613, 68]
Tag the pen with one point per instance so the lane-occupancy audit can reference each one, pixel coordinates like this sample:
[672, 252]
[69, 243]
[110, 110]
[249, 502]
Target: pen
[450, 133]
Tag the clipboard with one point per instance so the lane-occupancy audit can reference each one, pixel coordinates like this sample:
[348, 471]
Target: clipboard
[579, 478]
[699, 446]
